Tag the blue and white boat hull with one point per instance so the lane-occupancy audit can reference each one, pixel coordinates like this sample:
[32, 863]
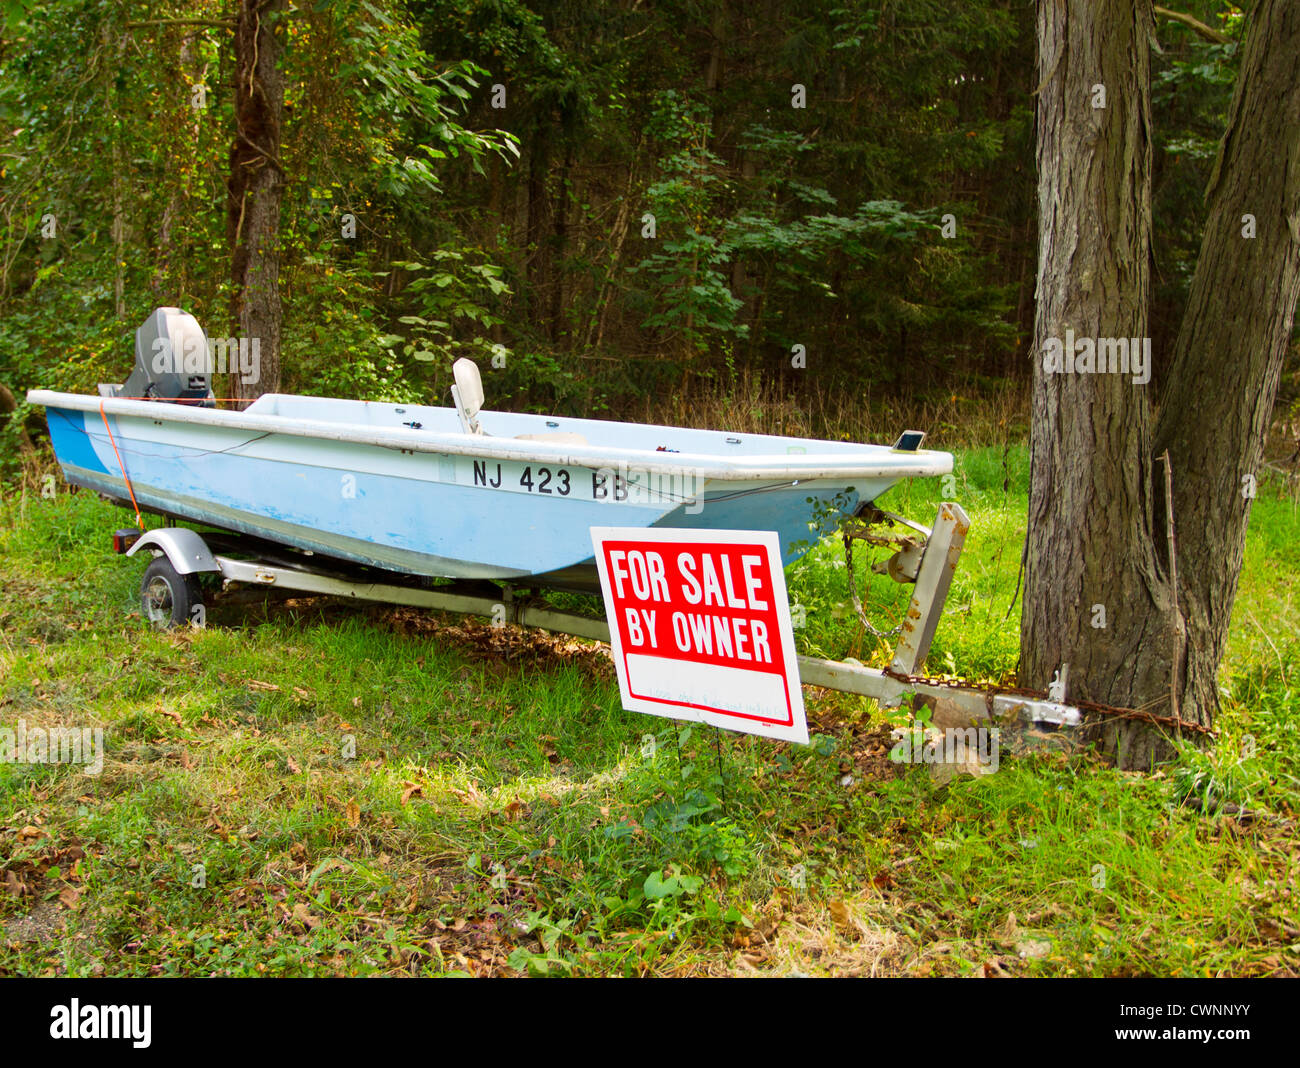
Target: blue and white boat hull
[401, 488]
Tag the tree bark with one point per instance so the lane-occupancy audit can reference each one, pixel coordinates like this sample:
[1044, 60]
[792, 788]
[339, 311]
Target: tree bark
[1216, 408]
[254, 190]
[537, 263]
[1094, 538]
[622, 223]
[559, 326]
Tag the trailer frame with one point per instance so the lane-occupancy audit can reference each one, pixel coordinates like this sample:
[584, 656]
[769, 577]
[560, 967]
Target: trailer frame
[953, 705]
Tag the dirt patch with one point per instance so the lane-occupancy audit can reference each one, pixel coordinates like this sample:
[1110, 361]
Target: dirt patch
[39, 926]
[482, 641]
[37, 868]
[864, 747]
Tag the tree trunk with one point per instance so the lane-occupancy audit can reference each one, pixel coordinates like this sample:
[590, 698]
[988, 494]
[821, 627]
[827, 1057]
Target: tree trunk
[537, 264]
[254, 190]
[622, 223]
[560, 327]
[1216, 408]
[117, 231]
[1095, 544]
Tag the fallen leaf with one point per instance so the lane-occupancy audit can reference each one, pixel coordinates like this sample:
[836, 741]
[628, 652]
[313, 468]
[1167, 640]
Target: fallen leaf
[354, 814]
[1009, 930]
[842, 916]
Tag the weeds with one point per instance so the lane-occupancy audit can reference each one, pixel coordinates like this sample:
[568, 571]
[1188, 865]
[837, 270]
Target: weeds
[320, 789]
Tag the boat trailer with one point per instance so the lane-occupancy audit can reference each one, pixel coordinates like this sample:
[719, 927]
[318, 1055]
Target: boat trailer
[171, 596]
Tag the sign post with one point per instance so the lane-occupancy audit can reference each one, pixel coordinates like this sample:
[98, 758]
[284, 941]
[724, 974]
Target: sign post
[700, 627]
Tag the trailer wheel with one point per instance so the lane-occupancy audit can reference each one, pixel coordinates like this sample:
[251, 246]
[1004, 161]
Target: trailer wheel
[167, 597]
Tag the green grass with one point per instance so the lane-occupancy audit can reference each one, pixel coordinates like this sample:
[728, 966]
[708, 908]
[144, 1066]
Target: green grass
[320, 789]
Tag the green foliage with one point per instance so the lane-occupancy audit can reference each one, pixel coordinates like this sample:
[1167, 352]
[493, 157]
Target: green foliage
[1191, 87]
[688, 290]
[114, 183]
[513, 150]
[447, 301]
[406, 102]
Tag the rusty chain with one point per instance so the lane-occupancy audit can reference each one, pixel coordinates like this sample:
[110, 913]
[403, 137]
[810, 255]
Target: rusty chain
[1087, 707]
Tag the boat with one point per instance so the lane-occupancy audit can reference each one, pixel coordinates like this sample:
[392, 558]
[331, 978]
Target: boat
[456, 492]
[380, 502]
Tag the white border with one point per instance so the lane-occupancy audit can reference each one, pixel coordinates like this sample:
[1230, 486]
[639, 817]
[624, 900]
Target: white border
[796, 730]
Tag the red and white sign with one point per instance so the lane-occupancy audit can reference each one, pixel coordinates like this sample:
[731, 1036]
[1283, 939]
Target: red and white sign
[700, 627]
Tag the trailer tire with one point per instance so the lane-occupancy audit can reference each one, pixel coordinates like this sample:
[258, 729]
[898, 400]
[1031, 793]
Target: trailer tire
[168, 598]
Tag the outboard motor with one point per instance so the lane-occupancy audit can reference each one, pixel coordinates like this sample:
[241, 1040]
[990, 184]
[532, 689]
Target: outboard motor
[173, 362]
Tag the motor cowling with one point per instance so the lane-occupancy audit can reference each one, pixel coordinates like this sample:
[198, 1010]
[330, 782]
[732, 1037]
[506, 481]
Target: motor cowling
[173, 361]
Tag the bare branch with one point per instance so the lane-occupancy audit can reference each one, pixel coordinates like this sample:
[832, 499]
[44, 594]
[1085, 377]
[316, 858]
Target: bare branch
[224, 23]
[1208, 32]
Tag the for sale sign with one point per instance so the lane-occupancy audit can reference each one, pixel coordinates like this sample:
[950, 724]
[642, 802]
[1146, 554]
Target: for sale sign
[700, 627]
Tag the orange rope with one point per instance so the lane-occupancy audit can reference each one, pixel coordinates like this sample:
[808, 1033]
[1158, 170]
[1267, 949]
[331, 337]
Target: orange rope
[186, 404]
[139, 519]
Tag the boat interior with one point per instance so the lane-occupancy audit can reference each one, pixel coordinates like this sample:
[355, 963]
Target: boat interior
[469, 417]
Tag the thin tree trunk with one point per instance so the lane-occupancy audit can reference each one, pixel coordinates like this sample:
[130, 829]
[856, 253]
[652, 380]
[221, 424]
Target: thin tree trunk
[1092, 529]
[170, 281]
[717, 51]
[254, 189]
[536, 265]
[558, 325]
[1228, 356]
[622, 223]
[117, 230]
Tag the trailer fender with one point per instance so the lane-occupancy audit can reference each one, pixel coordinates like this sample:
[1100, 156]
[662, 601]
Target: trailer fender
[186, 549]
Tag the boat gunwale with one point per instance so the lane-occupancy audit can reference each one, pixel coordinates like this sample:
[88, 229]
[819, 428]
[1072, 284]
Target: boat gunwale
[802, 466]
